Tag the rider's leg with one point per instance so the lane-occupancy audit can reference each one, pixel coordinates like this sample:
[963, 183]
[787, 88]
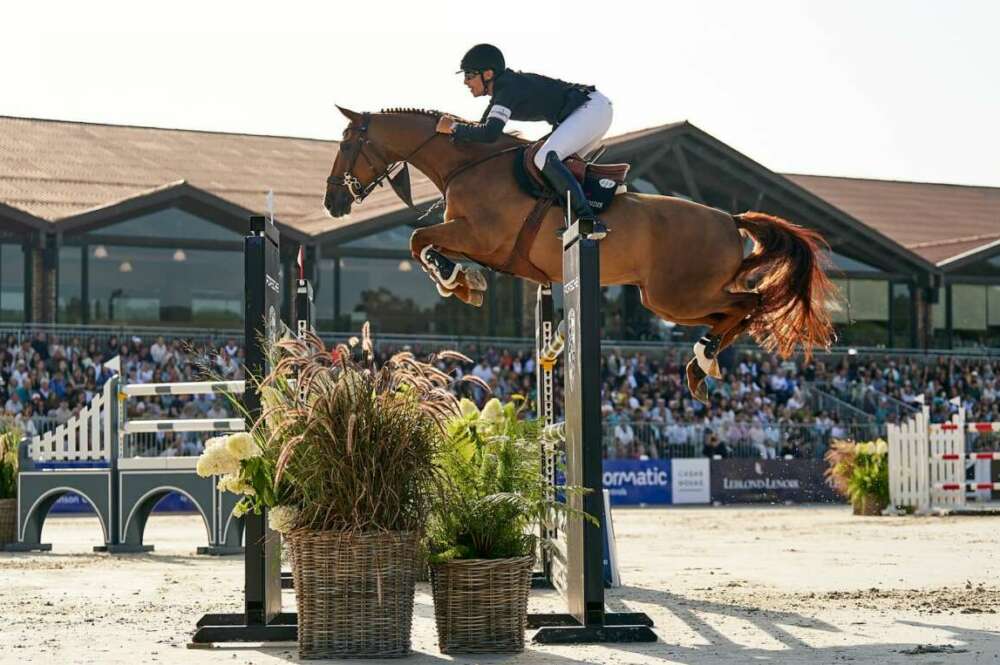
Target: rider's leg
[582, 129]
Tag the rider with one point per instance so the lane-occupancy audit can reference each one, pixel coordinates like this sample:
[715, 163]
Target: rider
[580, 114]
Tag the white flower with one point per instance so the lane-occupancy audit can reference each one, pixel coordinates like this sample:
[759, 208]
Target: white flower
[215, 441]
[242, 446]
[492, 411]
[233, 483]
[881, 447]
[282, 518]
[240, 509]
[468, 408]
[216, 461]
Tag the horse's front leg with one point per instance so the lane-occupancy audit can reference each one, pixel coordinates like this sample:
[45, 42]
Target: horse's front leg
[434, 246]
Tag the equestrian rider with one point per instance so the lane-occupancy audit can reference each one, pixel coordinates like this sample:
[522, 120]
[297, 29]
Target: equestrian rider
[580, 115]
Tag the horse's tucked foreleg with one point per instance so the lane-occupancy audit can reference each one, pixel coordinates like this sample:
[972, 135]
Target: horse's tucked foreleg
[434, 247]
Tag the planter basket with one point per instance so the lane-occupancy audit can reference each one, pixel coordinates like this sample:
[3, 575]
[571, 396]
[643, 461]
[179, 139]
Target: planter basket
[481, 605]
[354, 592]
[8, 521]
[869, 505]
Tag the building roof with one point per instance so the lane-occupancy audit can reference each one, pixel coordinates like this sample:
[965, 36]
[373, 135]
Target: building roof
[937, 221]
[73, 174]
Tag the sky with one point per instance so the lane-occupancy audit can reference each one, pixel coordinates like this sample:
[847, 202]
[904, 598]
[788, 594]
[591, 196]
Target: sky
[892, 89]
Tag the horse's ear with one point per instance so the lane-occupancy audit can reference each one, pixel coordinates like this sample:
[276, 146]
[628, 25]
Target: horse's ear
[348, 113]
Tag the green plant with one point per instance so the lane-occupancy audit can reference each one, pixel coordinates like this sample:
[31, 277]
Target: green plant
[870, 475]
[9, 440]
[491, 494]
[341, 443]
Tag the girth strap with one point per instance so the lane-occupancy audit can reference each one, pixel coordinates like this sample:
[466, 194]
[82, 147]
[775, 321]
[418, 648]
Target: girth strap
[525, 240]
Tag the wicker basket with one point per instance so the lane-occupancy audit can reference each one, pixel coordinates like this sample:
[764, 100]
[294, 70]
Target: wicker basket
[354, 592]
[481, 605]
[8, 521]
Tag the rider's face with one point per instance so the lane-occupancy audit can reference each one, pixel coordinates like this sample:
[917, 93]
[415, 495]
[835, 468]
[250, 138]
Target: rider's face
[474, 82]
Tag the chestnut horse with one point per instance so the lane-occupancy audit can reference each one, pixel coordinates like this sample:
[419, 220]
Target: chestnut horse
[686, 259]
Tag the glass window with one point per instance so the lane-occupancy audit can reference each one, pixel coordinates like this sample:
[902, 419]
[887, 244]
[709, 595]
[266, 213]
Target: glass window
[902, 322]
[144, 285]
[398, 237]
[397, 297]
[70, 304]
[864, 317]
[12, 283]
[975, 315]
[171, 223]
[939, 322]
[323, 305]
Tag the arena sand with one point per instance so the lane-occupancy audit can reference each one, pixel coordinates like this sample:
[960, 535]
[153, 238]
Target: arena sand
[741, 585]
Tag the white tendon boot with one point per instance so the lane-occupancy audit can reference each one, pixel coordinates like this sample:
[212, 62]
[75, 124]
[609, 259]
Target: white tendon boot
[708, 365]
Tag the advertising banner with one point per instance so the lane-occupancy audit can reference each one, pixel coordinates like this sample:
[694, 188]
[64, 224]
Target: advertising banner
[690, 480]
[770, 481]
[632, 482]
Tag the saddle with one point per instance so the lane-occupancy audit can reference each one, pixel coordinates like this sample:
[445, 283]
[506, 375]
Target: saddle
[600, 181]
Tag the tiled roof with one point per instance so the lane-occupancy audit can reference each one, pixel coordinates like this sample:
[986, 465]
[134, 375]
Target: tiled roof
[936, 221]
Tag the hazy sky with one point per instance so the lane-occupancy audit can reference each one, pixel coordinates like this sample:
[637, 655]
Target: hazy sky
[888, 89]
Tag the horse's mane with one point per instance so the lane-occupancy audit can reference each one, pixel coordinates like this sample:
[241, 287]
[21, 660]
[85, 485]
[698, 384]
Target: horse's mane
[431, 113]
[428, 112]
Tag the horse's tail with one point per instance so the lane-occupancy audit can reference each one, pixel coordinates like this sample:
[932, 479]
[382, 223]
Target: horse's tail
[794, 289]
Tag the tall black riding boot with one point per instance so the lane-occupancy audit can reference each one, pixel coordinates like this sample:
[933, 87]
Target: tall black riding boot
[562, 180]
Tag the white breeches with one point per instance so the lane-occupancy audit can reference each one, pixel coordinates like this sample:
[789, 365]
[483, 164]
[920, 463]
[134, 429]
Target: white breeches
[580, 132]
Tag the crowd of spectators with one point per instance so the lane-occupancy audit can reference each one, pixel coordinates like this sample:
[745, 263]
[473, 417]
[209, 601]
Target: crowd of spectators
[762, 405]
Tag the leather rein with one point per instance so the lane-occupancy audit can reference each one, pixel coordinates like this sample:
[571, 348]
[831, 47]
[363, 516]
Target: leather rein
[359, 192]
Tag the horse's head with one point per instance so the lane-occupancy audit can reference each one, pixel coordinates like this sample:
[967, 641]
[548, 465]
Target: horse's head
[352, 173]
[365, 159]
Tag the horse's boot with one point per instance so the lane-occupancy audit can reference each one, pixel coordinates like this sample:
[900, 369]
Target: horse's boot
[562, 180]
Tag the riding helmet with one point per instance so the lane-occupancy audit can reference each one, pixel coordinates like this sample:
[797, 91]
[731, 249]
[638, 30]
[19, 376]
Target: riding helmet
[481, 57]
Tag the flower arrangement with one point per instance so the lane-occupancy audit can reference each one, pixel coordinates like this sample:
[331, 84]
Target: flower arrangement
[341, 443]
[860, 473]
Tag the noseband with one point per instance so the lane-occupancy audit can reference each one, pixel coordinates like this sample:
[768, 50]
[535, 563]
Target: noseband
[400, 182]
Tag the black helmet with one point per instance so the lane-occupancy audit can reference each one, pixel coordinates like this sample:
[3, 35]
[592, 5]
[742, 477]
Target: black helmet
[481, 57]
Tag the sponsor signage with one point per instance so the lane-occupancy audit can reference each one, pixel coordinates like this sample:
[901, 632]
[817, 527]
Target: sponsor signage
[690, 480]
[631, 482]
[770, 481]
[171, 503]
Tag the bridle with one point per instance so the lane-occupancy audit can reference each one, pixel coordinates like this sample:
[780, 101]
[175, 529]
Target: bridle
[400, 182]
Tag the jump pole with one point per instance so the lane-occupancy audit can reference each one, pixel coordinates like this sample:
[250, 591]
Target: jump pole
[262, 619]
[586, 621]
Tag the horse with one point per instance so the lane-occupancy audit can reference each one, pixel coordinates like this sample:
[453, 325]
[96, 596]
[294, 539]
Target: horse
[686, 259]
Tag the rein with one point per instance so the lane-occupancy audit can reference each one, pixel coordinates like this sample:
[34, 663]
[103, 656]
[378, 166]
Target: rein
[359, 192]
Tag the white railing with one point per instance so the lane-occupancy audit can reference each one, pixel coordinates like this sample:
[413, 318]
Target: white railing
[86, 436]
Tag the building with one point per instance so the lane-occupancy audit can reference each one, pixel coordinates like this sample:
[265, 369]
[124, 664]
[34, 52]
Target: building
[115, 225]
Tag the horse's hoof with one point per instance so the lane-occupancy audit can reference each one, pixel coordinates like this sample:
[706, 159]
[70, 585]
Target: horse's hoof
[475, 298]
[443, 292]
[714, 371]
[696, 381]
[475, 279]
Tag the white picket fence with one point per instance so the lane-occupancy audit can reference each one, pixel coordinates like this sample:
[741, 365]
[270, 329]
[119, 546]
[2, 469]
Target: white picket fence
[927, 462]
[88, 436]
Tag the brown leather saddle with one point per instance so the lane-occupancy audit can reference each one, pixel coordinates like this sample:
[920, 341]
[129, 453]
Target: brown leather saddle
[591, 176]
[600, 183]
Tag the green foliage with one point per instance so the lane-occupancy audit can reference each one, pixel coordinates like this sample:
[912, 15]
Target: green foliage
[491, 494]
[9, 440]
[870, 474]
[348, 444]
